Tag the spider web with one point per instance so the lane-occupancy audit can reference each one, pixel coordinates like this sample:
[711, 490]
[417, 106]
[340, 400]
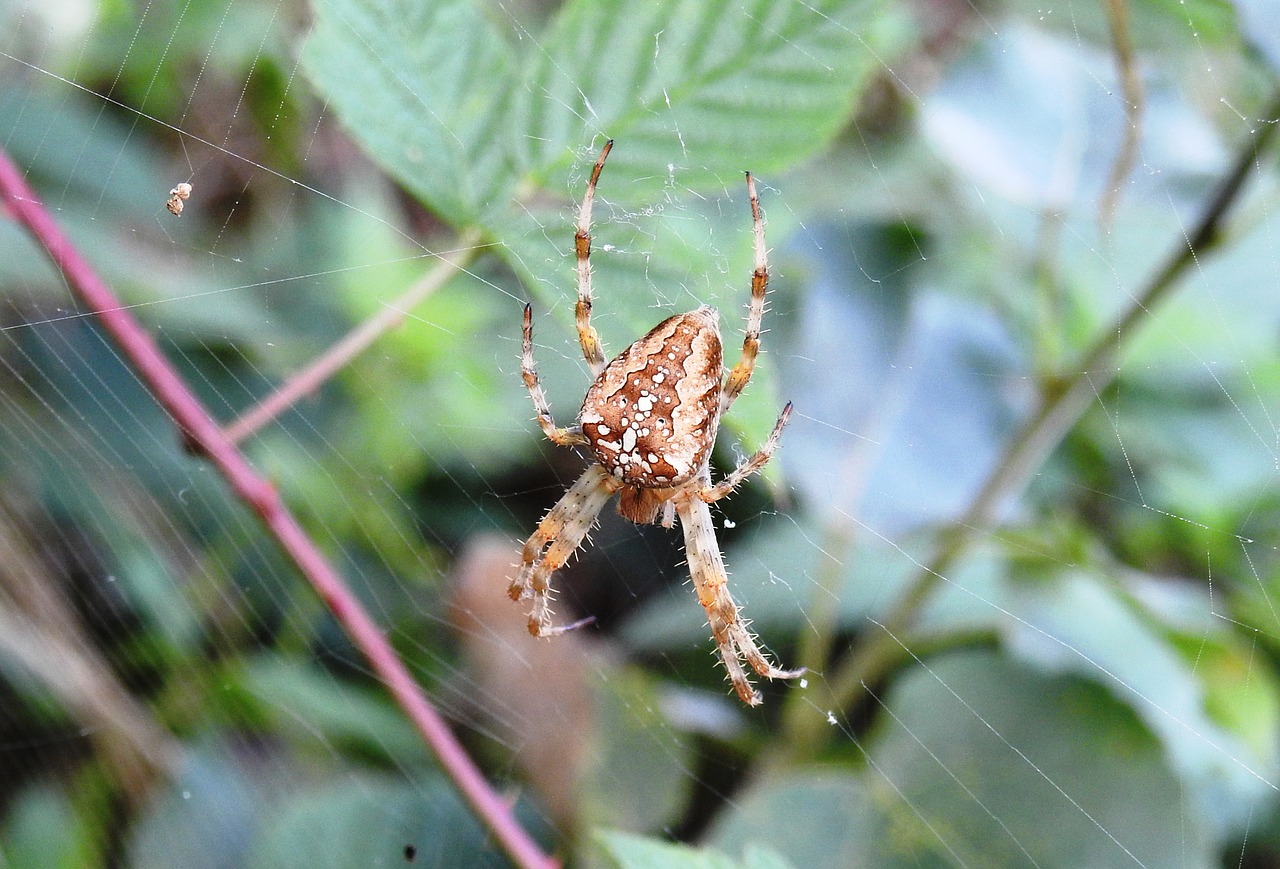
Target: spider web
[1020, 527]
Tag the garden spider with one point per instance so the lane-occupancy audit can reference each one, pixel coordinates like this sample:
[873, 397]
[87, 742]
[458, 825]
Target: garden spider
[650, 419]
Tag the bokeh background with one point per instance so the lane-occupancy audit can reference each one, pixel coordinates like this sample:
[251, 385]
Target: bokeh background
[1021, 528]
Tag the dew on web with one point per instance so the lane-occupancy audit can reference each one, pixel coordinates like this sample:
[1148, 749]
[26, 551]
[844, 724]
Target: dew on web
[267, 468]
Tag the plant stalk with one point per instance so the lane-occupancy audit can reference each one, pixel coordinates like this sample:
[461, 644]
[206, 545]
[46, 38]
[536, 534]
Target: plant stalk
[203, 434]
[355, 342]
[1062, 402]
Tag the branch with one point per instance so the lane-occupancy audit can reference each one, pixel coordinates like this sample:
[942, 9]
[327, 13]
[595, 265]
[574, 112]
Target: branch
[200, 431]
[1062, 402]
[355, 342]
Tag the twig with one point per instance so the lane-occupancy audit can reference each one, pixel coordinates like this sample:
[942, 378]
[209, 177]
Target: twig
[1134, 97]
[355, 342]
[201, 432]
[1062, 403]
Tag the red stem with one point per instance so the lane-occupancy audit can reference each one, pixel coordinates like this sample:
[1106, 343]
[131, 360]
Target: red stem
[204, 435]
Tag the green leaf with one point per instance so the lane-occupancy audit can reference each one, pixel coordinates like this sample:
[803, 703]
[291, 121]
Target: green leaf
[1006, 767]
[333, 712]
[206, 817]
[811, 818]
[982, 762]
[432, 399]
[645, 266]
[1240, 697]
[709, 87]
[424, 87]
[430, 89]
[42, 830]
[101, 175]
[694, 92]
[627, 851]
[230, 809]
[757, 856]
[368, 820]
[1078, 624]
[637, 777]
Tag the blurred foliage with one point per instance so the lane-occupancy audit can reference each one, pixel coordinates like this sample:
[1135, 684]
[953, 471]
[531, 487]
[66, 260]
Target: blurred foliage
[1096, 681]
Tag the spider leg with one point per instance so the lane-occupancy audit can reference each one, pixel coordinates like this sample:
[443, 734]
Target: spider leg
[750, 466]
[733, 640]
[565, 437]
[587, 335]
[558, 535]
[741, 373]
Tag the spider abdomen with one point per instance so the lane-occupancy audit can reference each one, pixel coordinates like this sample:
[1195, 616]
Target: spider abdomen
[651, 416]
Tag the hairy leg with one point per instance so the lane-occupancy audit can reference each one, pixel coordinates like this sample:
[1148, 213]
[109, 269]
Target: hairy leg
[741, 373]
[558, 535]
[565, 437]
[587, 336]
[733, 640]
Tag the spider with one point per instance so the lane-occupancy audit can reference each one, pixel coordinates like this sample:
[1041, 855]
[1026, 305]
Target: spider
[650, 419]
[177, 196]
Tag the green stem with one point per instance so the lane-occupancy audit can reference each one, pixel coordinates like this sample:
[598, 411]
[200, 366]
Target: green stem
[355, 342]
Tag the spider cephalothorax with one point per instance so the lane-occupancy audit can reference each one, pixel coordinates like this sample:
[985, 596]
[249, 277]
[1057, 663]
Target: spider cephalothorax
[650, 419]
